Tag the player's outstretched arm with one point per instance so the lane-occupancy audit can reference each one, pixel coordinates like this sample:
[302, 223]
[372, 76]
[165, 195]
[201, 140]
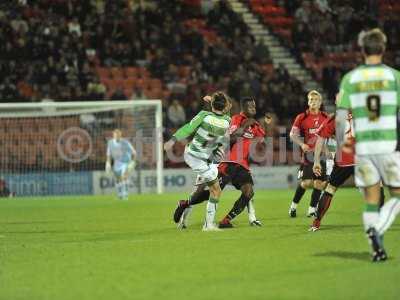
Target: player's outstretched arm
[186, 130]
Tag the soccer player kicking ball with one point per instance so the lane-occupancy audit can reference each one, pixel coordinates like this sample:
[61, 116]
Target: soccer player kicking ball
[372, 93]
[306, 125]
[243, 131]
[123, 155]
[209, 130]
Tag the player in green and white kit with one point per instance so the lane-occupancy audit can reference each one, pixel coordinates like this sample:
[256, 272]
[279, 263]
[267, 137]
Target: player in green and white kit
[372, 93]
[209, 131]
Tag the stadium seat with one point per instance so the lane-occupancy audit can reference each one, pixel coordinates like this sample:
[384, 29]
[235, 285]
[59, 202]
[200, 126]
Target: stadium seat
[103, 72]
[131, 72]
[117, 73]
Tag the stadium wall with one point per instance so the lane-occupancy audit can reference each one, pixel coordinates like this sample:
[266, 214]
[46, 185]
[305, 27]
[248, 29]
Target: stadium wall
[101, 183]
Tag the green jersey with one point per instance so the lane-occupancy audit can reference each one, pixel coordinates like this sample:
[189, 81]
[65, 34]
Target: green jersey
[209, 131]
[372, 94]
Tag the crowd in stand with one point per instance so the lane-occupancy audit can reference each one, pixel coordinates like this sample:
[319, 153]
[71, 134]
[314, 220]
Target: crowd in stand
[49, 50]
[339, 24]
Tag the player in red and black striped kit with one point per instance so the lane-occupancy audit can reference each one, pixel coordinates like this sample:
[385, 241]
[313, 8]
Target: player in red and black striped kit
[342, 169]
[304, 133]
[243, 131]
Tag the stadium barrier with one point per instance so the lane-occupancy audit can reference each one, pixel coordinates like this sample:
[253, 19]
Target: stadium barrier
[50, 183]
[102, 183]
[182, 180]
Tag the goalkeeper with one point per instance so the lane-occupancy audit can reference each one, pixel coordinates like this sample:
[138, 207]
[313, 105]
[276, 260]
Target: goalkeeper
[121, 152]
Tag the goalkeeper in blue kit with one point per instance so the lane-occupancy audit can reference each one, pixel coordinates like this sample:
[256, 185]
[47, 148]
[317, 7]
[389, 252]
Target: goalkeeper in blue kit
[121, 158]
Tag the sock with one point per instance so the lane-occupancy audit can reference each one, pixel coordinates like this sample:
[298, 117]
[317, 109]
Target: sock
[125, 188]
[199, 197]
[323, 204]
[370, 215]
[382, 198]
[118, 185]
[251, 210]
[387, 215]
[211, 210]
[238, 207]
[316, 194]
[298, 195]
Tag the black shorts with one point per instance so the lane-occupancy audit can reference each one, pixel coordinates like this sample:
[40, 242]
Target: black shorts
[340, 174]
[234, 174]
[306, 172]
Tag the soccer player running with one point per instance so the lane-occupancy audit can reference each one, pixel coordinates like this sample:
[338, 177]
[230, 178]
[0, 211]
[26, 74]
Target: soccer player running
[343, 167]
[244, 129]
[372, 93]
[121, 152]
[303, 133]
[209, 130]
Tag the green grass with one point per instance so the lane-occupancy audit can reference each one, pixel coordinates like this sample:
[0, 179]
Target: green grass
[99, 248]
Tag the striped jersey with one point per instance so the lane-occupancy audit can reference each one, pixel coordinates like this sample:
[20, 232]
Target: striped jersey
[372, 94]
[209, 131]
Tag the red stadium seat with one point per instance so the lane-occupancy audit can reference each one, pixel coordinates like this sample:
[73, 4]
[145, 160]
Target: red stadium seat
[117, 73]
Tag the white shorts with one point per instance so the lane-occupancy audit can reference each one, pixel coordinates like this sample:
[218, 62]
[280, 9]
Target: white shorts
[205, 171]
[371, 169]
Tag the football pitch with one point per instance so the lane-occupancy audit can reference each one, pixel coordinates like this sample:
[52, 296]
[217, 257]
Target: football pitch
[100, 248]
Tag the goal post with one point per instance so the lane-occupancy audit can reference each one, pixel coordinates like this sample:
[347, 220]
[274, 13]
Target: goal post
[59, 148]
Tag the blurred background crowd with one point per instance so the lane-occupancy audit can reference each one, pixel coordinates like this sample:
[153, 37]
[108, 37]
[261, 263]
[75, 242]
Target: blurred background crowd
[181, 50]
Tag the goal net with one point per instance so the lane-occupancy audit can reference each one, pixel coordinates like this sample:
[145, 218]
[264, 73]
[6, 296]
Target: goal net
[59, 148]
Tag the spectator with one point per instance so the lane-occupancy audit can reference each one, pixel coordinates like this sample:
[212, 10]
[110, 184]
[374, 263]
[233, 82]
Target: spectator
[9, 91]
[303, 13]
[96, 90]
[176, 114]
[118, 95]
[261, 53]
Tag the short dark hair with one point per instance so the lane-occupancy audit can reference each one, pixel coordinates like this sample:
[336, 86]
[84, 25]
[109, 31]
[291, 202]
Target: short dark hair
[219, 101]
[373, 42]
[244, 100]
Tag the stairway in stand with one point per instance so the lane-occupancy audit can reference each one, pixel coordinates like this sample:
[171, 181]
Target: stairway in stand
[278, 52]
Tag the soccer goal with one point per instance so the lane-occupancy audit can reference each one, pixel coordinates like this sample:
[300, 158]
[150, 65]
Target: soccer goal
[59, 148]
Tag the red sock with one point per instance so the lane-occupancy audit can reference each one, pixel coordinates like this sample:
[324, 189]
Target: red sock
[324, 204]
[226, 220]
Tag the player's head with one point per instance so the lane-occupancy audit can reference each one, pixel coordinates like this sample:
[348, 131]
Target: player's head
[219, 102]
[314, 100]
[117, 134]
[248, 106]
[373, 42]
